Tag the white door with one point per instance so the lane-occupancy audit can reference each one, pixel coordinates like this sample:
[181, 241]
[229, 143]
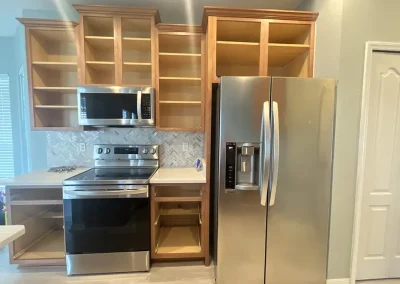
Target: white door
[379, 243]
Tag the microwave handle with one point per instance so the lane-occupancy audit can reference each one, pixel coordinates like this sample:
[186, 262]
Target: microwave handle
[139, 105]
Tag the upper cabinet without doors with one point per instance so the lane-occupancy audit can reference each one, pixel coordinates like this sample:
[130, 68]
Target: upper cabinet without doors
[117, 45]
[52, 73]
[181, 78]
[255, 42]
[126, 46]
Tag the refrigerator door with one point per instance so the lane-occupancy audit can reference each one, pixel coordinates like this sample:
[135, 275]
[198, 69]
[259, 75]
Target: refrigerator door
[299, 205]
[240, 246]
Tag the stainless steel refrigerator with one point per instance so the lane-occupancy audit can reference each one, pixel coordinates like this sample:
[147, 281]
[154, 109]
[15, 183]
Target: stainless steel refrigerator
[273, 149]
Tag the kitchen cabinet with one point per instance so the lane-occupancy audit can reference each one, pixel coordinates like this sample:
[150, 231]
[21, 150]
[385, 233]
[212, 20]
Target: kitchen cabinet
[256, 42]
[40, 210]
[180, 77]
[117, 45]
[178, 230]
[52, 73]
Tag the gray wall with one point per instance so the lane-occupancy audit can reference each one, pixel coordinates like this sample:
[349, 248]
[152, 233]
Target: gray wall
[362, 21]
[327, 64]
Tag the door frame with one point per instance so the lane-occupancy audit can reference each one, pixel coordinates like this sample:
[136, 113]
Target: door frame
[370, 47]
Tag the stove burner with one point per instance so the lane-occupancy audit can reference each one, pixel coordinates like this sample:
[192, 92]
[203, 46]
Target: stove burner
[62, 169]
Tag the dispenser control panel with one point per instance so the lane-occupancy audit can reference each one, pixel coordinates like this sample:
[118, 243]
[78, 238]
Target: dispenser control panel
[230, 174]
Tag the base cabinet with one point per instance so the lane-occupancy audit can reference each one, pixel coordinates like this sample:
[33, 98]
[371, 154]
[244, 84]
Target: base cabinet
[40, 210]
[177, 228]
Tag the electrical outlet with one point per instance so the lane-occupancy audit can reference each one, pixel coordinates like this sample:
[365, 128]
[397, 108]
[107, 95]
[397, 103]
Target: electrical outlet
[82, 147]
[185, 147]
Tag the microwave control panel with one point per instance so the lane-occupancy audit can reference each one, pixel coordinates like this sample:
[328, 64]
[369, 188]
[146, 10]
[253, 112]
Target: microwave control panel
[146, 106]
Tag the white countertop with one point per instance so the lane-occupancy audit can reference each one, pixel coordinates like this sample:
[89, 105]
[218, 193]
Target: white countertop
[41, 178]
[178, 175]
[10, 233]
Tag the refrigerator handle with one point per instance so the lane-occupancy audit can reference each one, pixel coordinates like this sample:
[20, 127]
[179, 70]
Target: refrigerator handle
[275, 166]
[265, 149]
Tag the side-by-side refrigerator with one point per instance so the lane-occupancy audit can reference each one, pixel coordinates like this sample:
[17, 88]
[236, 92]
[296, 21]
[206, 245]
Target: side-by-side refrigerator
[273, 151]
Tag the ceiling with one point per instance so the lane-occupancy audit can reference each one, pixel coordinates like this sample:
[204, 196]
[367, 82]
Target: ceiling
[172, 11]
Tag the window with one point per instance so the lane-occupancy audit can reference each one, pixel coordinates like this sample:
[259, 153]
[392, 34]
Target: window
[6, 141]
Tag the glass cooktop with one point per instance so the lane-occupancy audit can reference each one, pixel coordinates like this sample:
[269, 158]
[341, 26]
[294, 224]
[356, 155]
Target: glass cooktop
[112, 176]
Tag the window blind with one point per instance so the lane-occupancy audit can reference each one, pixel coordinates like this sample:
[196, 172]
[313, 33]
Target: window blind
[6, 141]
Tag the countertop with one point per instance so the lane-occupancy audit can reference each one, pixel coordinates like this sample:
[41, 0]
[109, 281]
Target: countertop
[41, 178]
[178, 175]
[10, 233]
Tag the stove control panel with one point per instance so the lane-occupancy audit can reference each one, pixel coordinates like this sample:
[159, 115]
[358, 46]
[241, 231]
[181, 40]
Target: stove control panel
[125, 152]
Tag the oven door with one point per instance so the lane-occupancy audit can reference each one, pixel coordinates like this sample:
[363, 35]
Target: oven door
[116, 106]
[106, 219]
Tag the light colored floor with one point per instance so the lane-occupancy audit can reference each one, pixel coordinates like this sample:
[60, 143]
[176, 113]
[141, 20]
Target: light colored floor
[193, 273]
[388, 281]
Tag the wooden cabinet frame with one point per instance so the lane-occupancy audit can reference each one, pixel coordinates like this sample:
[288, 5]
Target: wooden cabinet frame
[44, 89]
[203, 199]
[118, 65]
[189, 35]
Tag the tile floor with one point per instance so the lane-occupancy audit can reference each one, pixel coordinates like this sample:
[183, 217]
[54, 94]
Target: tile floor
[193, 273]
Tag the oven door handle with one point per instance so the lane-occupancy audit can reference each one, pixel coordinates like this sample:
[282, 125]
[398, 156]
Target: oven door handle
[101, 194]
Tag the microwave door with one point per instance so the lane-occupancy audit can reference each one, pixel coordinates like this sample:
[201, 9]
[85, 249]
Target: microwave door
[103, 106]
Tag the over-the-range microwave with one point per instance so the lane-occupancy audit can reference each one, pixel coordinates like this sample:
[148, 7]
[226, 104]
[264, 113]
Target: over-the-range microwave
[116, 106]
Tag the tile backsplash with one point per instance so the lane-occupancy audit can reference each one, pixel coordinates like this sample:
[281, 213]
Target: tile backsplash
[63, 147]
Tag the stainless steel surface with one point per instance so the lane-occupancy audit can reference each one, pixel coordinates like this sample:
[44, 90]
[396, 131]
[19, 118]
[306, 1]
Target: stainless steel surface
[126, 163]
[298, 223]
[142, 155]
[139, 122]
[108, 262]
[241, 219]
[265, 155]
[275, 166]
[106, 191]
[246, 187]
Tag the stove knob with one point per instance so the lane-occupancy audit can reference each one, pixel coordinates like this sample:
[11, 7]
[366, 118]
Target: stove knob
[100, 151]
[108, 150]
[145, 151]
[152, 151]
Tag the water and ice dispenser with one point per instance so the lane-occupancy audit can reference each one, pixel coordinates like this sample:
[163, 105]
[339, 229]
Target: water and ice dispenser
[242, 166]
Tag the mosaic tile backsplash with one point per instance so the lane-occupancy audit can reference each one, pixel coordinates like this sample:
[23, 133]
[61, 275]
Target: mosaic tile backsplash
[63, 147]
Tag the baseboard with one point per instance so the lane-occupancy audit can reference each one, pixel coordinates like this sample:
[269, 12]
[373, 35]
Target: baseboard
[338, 281]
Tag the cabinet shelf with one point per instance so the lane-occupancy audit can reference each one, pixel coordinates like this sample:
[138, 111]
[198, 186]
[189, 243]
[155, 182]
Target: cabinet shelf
[101, 42]
[179, 240]
[56, 66]
[186, 80]
[179, 58]
[49, 246]
[56, 107]
[55, 89]
[281, 54]
[101, 65]
[238, 53]
[137, 67]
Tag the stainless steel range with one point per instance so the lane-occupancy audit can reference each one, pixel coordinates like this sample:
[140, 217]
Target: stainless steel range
[107, 211]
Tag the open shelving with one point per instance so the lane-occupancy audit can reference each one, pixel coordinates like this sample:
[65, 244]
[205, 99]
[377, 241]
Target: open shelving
[52, 73]
[289, 49]
[177, 227]
[40, 210]
[180, 76]
[238, 48]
